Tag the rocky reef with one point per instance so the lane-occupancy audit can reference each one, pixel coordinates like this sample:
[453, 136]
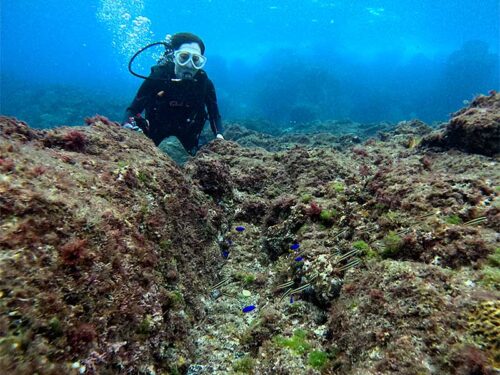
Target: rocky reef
[106, 248]
[340, 255]
[475, 128]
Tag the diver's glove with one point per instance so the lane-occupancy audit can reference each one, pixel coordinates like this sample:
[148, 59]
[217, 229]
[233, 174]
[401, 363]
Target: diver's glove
[137, 123]
[219, 136]
[132, 126]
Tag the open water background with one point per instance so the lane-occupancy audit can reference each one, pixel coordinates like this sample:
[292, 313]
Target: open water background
[283, 61]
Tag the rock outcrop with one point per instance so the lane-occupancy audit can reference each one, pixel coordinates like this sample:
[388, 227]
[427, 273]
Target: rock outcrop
[106, 248]
[374, 257]
[474, 129]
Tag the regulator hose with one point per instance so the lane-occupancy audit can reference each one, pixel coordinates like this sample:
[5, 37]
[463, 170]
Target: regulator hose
[168, 49]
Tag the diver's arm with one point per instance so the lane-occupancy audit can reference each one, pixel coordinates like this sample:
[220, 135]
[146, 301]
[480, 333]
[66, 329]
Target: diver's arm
[139, 103]
[213, 110]
[142, 97]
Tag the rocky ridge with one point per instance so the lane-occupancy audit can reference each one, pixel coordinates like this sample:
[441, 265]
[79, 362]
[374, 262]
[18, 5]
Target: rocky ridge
[381, 257]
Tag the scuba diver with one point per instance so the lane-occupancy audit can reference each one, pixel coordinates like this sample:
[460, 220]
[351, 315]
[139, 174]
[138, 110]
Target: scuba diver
[175, 95]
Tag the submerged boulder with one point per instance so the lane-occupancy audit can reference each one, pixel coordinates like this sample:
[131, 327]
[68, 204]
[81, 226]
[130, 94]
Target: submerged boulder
[474, 129]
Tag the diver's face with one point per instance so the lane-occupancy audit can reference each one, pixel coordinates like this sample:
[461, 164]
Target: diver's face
[187, 71]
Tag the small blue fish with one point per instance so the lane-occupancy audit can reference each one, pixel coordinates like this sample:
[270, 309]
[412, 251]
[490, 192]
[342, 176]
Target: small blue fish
[291, 299]
[299, 259]
[248, 308]
[229, 242]
[225, 254]
[240, 229]
[294, 246]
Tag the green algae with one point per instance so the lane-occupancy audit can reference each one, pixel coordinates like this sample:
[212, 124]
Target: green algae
[361, 245]
[327, 216]
[297, 343]
[165, 244]
[143, 177]
[318, 359]
[392, 244]
[303, 230]
[366, 250]
[453, 219]
[490, 277]
[494, 259]
[306, 198]
[175, 298]
[245, 277]
[336, 187]
[146, 325]
[249, 279]
[392, 216]
[490, 274]
[244, 365]
[380, 206]
[55, 327]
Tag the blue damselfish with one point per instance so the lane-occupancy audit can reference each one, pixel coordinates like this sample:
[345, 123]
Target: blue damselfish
[248, 308]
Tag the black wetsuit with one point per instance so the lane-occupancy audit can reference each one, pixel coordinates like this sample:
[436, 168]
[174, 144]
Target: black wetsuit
[176, 107]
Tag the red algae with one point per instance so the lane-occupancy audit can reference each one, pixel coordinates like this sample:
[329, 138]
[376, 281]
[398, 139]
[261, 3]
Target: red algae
[74, 140]
[73, 252]
[474, 129]
[111, 252]
[76, 249]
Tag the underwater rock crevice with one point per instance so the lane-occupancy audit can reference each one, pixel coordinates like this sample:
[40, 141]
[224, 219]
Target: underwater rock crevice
[382, 257]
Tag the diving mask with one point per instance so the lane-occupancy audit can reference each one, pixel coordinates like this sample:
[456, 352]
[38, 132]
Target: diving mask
[184, 57]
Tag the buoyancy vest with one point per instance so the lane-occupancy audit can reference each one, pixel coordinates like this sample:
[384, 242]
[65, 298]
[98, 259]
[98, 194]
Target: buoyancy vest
[176, 104]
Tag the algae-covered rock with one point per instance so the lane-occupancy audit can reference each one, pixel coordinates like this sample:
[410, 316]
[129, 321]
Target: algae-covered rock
[475, 129]
[361, 258]
[411, 318]
[85, 280]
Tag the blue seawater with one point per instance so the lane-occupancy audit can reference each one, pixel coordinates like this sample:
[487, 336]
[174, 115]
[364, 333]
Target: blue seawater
[286, 62]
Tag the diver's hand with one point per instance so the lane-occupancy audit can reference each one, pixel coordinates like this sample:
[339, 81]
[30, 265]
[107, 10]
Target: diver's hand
[137, 124]
[219, 136]
[132, 126]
